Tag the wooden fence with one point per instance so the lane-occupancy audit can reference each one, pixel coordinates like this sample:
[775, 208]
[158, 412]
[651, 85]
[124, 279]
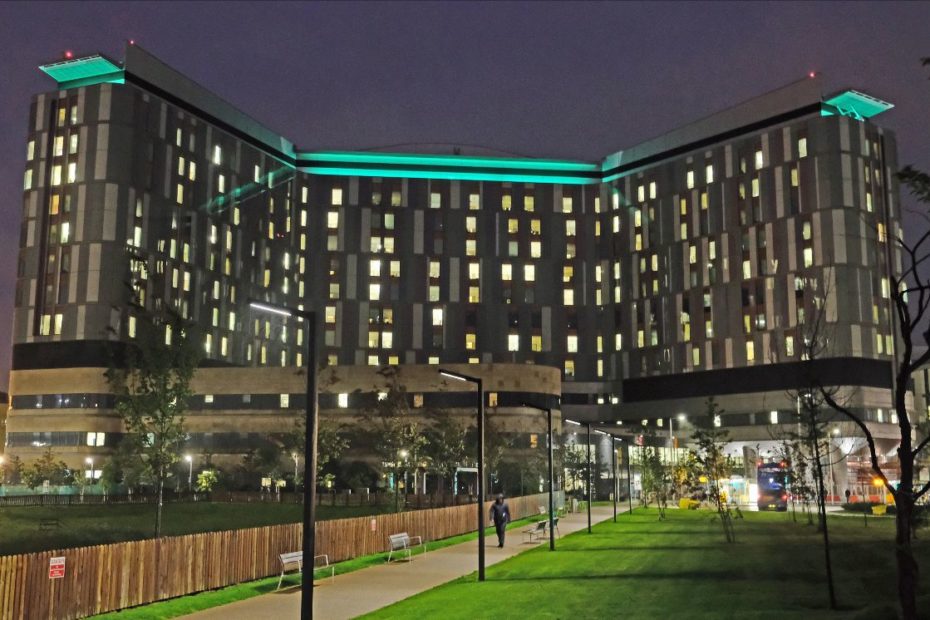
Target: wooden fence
[105, 578]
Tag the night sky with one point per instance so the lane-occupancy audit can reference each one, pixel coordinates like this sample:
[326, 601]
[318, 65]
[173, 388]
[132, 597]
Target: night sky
[554, 80]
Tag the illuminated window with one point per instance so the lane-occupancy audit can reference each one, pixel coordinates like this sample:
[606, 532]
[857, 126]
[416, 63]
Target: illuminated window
[535, 249]
[73, 144]
[179, 196]
[709, 173]
[572, 344]
[641, 193]
[374, 292]
[56, 175]
[690, 179]
[471, 224]
[336, 196]
[806, 231]
[789, 346]
[30, 150]
[435, 200]
[529, 273]
[513, 225]
[568, 272]
[570, 229]
[513, 342]
[759, 160]
[27, 180]
[506, 202]
[374, 268]
[802, 147]
[566, 204]
[437, 317]
[652, 189]
[755, 188]
[217, 154]
[808, 257]
[343, 401]
[536, 343]
[506, 272]
[529, 203]
[750, 351]
[568, 297]
[474, 295]
[470, 341]
[794, 177]
[59, 149]
[434, 269]
[474, 202]
[569, 368]
[471, 247]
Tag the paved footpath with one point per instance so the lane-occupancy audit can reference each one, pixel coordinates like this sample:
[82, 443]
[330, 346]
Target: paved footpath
[368, 589]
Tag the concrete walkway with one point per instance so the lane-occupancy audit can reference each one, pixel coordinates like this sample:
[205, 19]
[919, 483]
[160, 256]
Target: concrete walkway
[368, 589]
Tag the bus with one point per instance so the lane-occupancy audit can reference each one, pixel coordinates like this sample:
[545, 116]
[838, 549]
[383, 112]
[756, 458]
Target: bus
[773, 488]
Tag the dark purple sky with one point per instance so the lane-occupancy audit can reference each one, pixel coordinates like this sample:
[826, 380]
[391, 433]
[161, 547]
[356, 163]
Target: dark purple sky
[559, 80]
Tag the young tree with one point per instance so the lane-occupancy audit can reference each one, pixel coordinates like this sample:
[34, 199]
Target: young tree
[152, 385]
[709, 440]
[331, 442]
[656, 479]
[207, 480]
[447, 448]
[396, 434]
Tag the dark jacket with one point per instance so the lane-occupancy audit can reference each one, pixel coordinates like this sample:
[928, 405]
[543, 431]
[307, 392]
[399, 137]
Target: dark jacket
[500, 513]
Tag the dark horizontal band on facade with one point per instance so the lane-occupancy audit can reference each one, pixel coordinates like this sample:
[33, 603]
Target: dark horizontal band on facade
[765, 378]
[76, 354]
[295, 402]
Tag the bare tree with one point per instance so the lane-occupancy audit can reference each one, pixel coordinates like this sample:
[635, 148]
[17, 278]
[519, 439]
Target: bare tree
[909, 294]
[709, 440]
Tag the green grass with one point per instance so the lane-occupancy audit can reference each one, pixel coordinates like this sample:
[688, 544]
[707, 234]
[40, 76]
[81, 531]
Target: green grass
[643, 568]
[205, 600]
[94, 525]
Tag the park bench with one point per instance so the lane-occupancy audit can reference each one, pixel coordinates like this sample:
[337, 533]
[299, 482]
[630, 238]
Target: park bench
[296, 559]
[403, 543]
[49, 524]
[536, 531]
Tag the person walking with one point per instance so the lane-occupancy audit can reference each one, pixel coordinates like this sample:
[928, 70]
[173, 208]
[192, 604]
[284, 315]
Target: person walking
[500, 515]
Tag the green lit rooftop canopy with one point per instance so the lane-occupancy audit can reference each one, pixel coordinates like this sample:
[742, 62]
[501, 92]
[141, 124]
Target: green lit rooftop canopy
[854, 104]
[460, 167]
[84, 71]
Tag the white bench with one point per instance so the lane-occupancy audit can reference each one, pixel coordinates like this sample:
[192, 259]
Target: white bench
[403, 543]
[296, 559]
[536, 531]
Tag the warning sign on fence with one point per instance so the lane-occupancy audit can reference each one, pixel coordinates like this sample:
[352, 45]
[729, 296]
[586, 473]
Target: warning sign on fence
[56, 568]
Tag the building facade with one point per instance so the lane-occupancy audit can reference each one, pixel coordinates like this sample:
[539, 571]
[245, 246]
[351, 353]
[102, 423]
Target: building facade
[683, 267]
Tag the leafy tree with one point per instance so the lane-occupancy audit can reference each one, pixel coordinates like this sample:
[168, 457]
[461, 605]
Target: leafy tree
[152, 385]
[207, 480]
[710, 440]
[394, 430]
[331, 442]
[656, 480]
[47, 468]
[446, 447]
[12, 471]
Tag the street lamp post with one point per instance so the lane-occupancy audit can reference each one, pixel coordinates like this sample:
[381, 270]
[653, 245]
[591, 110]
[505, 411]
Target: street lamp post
[551, 471]
[90, 462]
[190, 471]
[309, 524]
[296, 458]
[477, 381]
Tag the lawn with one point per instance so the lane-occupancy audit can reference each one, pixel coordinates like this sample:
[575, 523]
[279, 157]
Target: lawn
[643, 568]
[92, 525]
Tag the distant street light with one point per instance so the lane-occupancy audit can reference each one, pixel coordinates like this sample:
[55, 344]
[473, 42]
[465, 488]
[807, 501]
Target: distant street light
[190, 470]
[296, 458]
[477, 381]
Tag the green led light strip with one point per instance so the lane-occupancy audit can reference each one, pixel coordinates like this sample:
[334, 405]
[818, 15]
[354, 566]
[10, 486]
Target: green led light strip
[452, 176]
[84, 71]
[445, 160]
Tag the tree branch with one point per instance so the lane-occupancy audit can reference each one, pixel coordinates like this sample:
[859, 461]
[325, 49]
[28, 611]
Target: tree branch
[873, 454]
